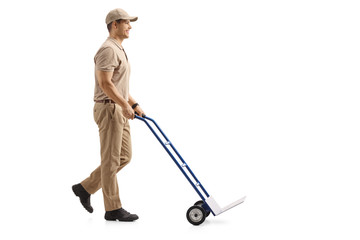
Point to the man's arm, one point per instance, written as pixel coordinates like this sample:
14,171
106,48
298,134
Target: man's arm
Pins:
104,80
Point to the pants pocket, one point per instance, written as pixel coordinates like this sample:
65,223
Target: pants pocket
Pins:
103,112
118,115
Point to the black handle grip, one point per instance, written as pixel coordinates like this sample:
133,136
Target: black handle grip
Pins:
143,115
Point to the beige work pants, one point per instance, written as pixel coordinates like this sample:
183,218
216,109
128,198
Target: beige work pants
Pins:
115,145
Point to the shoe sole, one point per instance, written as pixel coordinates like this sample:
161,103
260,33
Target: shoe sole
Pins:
122,220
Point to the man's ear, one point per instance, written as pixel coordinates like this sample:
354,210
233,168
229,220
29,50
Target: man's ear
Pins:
114,25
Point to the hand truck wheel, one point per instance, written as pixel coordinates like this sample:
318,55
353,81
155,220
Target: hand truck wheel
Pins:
201,204
196,215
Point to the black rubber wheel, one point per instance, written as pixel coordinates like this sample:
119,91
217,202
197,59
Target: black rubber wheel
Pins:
200,203
196,215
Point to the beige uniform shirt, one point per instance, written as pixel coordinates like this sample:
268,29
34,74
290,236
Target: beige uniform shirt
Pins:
111,57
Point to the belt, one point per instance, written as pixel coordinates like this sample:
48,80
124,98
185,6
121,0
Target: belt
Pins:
104,101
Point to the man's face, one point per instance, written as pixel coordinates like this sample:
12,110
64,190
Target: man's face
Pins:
123,29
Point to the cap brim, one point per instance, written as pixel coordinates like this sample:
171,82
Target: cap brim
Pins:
132,19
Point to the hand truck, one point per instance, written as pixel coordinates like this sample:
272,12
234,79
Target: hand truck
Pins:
197,213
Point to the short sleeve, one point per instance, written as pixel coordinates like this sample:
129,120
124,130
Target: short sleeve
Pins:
106,60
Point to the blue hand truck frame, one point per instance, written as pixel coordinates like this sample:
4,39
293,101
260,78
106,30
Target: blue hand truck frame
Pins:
201,209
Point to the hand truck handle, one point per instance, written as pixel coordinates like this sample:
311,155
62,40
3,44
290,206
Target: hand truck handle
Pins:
195,182
137,114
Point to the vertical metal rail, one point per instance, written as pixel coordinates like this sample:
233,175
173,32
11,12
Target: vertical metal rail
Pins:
184,164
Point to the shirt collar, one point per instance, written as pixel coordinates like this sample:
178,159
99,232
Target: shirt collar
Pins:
116,42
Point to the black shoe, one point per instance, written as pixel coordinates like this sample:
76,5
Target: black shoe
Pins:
84,196
121,215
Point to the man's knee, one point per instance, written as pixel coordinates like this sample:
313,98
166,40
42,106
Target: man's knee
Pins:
124,161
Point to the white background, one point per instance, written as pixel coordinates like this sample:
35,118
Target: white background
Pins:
260,97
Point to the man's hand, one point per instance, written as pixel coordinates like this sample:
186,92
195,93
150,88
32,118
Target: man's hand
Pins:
128,112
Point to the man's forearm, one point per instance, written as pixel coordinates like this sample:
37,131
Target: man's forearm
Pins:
131,100
111,91
104,80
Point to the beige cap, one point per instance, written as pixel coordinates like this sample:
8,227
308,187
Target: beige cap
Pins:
117,14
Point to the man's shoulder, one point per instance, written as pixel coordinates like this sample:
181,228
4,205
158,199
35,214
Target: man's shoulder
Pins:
108,46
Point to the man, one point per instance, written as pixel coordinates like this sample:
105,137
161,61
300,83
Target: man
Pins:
113,108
